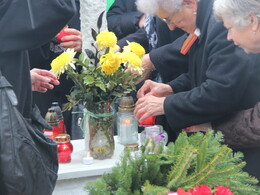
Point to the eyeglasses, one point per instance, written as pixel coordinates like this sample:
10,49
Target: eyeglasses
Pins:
168,21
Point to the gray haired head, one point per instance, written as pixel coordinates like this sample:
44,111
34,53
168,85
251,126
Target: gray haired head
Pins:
237,12
152,6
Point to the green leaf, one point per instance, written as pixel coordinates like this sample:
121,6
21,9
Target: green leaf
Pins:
89,52
89,79
99,21
81,57
101,86
94,34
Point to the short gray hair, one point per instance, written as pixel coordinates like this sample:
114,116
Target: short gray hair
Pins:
152,6
237,11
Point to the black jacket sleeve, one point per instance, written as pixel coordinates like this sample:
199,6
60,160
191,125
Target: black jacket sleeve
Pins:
139,36
168,60
228,76
123,18
29,24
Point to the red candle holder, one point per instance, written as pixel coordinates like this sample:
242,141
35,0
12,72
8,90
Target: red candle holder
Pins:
61,35
147,122
65,148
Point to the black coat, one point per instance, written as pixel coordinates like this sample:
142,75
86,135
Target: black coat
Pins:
123,18
41,58
164,37
31,27
221,77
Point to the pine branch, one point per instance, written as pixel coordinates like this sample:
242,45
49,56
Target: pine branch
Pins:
149,189
198,159
179,171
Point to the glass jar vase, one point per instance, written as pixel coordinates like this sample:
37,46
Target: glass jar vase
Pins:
100,129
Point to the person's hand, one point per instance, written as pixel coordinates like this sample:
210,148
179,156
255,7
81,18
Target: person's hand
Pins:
201,127
141,21
42,80
153,88
74,40
149,106
147,66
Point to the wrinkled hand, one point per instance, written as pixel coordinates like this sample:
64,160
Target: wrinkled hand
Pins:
150,106
42,80
72,41
147,66
153,88
201,127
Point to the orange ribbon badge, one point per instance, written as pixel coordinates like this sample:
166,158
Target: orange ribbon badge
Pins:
190,41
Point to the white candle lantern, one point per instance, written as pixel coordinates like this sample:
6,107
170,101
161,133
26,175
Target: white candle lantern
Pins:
126,122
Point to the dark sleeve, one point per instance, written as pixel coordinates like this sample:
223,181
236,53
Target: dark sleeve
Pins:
227,77
29,24
181,83
123,18
139,36
168,60
242,129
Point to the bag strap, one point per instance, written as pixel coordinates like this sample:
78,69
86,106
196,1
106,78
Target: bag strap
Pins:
5,85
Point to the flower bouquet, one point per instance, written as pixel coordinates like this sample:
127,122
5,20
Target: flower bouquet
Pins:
100,76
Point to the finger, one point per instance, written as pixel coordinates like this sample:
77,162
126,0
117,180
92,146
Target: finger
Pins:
39,89
72,31
45,73
43,90
139,111
55,82
139,101
42,79
47,78
69,44
143,116
140,93
70,38
46,85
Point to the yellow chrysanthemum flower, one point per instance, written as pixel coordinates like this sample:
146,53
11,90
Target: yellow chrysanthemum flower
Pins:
134,63
136,48
114,49
110,63
61,63
106,39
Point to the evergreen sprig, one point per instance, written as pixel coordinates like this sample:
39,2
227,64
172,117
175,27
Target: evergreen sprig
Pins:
190,161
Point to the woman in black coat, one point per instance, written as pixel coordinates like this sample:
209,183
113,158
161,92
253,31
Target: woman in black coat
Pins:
29,28
221,77
123,18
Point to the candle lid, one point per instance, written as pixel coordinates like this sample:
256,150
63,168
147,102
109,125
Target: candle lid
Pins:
126,104
132,146
51,117
62,138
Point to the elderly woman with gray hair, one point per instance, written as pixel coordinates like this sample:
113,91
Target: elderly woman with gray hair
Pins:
221,80
242,19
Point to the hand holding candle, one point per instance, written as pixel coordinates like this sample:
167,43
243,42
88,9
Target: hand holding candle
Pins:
70,38
148,121
62,34
148,106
